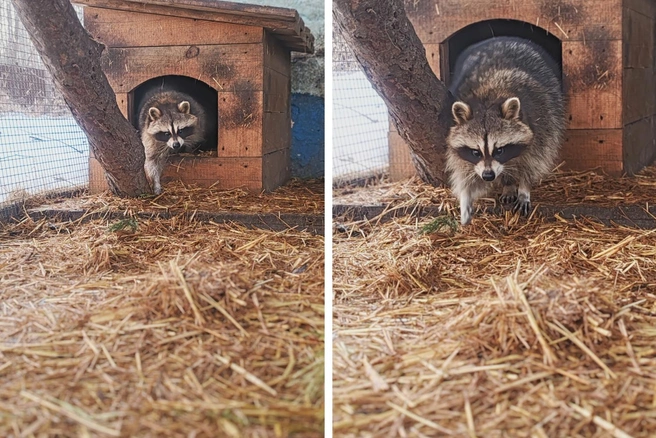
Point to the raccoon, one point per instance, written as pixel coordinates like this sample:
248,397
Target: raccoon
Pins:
509,122
169,122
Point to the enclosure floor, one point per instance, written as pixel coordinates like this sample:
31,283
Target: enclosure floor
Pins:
296,197
509,327
160,328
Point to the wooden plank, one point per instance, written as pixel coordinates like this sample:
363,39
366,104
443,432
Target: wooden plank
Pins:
240,124
275,169
592,72
276,56
117,29
220,172
286,24
277,91
225,173
400,161
639,94
574,20
277,132
97,181
638,40
123,104
639,144
434,59
586,149
233,67
645,7
241,10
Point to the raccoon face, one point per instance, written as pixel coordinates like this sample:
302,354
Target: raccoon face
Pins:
171,125
488,138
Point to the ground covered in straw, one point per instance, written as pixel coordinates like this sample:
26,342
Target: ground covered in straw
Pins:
297,197
506,328
160,328
561,188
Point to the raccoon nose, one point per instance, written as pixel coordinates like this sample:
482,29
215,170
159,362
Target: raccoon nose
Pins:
176,145
488,175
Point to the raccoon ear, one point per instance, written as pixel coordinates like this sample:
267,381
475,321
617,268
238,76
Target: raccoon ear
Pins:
510,109
183,107
461,112
154,113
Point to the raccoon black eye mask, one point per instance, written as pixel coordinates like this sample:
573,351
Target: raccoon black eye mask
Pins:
502,154
163,136
184,133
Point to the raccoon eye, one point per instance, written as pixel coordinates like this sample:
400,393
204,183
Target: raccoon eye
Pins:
186,132
476,153
163,136
497,152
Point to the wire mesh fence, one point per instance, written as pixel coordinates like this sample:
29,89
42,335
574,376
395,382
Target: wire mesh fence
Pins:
42,149
360,120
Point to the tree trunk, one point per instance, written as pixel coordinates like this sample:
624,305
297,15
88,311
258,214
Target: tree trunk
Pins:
73,59
393,58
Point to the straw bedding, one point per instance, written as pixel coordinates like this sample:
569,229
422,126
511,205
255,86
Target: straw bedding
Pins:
161,328
560,188
297,197
507,328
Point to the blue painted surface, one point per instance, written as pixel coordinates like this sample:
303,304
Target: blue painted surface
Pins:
307,155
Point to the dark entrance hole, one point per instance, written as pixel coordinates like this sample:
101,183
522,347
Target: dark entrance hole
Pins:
477,32
206,96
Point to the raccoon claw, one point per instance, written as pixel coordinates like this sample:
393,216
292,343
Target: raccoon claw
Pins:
508,199
523,207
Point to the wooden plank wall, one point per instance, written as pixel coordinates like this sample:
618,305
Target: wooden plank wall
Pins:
592,35
277,117
639,88
249,70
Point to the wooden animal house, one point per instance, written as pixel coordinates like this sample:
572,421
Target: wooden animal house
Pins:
607,53
234,57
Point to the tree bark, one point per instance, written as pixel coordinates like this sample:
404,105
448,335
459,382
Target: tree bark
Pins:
73,59
394,59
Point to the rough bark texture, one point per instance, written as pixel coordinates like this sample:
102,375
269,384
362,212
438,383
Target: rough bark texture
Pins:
393,58
73,59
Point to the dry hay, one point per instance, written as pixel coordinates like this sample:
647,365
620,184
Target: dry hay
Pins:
160,328
561,188
505,328
297,197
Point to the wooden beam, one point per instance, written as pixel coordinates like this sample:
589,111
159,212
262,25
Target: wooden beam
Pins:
282,22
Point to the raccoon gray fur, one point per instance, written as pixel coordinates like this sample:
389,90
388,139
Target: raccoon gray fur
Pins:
169,122
509,119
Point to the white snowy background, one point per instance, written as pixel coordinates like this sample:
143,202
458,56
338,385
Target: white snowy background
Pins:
39,154
360,126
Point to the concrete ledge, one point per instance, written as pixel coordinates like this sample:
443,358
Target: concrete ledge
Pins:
629,215
276,222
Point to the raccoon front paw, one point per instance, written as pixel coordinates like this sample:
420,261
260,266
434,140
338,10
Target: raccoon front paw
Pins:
508,198
465,215
523,206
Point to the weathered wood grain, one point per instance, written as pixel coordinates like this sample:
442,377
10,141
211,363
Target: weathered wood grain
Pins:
285,23
116,28
240,124
571,20
233,67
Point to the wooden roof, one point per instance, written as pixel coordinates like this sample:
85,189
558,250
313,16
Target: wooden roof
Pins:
284,23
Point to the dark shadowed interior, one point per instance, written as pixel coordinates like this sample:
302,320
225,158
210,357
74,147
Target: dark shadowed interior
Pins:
483,30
